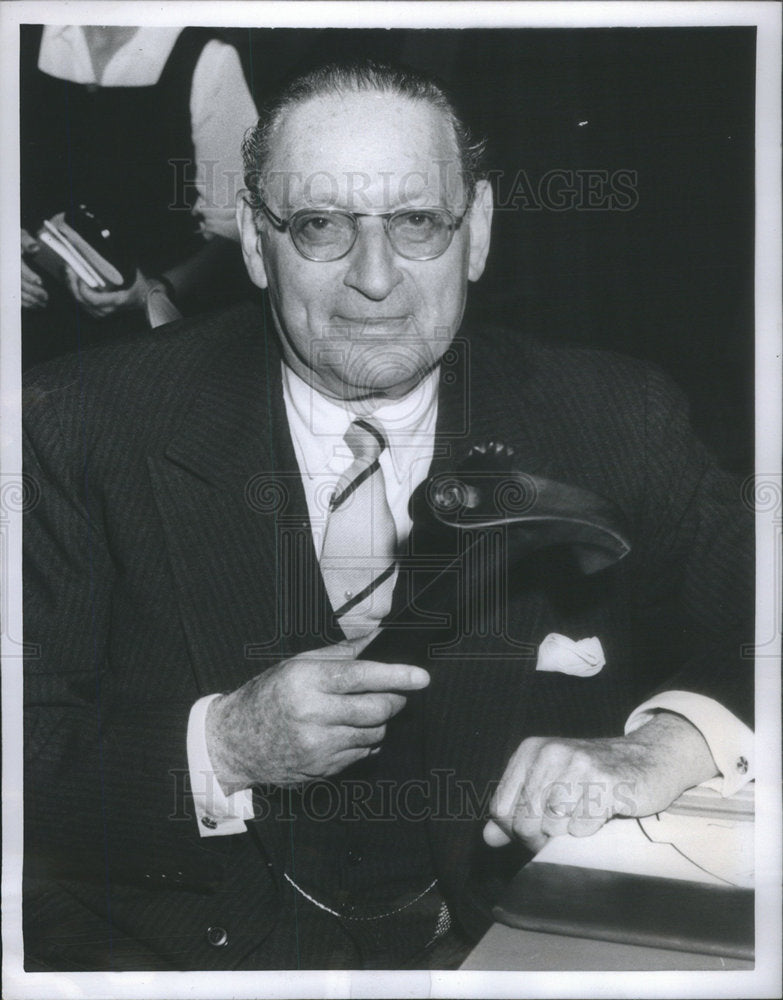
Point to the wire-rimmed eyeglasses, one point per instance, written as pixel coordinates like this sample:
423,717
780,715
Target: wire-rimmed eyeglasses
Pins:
327,234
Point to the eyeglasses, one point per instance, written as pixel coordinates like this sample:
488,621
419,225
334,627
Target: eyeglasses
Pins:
327,234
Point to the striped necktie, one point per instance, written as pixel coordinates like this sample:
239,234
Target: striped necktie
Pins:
357,558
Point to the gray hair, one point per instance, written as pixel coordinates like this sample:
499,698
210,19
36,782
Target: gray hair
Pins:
353,77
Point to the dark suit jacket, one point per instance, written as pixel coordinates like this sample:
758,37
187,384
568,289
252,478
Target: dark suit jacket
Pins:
168,523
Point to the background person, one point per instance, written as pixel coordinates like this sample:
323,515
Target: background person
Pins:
143,126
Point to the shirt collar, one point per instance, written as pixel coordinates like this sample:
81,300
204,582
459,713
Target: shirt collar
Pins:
323,421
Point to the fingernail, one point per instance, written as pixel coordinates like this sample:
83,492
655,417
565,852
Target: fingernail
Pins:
418,676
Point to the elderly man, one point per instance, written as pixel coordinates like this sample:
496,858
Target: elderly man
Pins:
218,775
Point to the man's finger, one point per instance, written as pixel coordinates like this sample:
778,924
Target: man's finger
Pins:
504,801
558,802
357,676
348,757
371,736
595,807
365,709
585,827
553,789
494,836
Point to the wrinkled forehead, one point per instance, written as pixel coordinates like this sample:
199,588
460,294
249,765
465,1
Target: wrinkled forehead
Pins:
366,151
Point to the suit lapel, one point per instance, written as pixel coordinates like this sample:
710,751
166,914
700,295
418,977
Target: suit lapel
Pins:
235,518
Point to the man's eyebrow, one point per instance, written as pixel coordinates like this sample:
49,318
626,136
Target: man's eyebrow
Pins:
394,205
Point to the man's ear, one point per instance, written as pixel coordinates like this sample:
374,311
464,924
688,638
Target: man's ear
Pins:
480,220
251,241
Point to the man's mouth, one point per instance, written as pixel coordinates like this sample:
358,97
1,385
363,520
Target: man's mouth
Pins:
371,322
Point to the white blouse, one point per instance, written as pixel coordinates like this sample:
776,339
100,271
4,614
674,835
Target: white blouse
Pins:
221,108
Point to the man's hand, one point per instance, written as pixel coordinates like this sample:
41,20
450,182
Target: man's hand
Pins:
100,303
306,717
34,295
555,786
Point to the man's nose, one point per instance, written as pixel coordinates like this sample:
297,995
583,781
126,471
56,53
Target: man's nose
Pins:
372,269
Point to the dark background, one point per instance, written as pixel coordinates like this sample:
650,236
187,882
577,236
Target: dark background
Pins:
670,280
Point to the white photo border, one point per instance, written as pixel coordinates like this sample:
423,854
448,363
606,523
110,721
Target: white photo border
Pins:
765,980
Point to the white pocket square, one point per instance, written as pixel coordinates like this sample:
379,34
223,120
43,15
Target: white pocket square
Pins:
581,659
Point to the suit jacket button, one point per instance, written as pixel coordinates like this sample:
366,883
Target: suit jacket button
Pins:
217,936
208,822
742,765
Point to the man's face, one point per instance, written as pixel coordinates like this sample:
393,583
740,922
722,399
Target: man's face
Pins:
372,323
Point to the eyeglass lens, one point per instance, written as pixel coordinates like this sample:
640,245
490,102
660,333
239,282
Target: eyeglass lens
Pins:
416,234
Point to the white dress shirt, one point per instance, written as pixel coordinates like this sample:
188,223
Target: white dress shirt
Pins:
221,108
317,426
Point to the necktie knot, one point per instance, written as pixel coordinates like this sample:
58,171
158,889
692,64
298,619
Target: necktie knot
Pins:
365,440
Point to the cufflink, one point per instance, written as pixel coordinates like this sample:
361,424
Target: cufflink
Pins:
742,765
209,823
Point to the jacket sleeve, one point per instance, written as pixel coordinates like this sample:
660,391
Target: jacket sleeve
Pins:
105,793
695,559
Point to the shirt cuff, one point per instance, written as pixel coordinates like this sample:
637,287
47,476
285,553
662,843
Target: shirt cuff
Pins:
217,814
730,741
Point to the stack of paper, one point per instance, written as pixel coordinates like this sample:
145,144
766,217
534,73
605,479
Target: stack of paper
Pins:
701,837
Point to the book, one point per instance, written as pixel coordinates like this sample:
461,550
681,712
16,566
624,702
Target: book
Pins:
104,267
80,240
50,236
